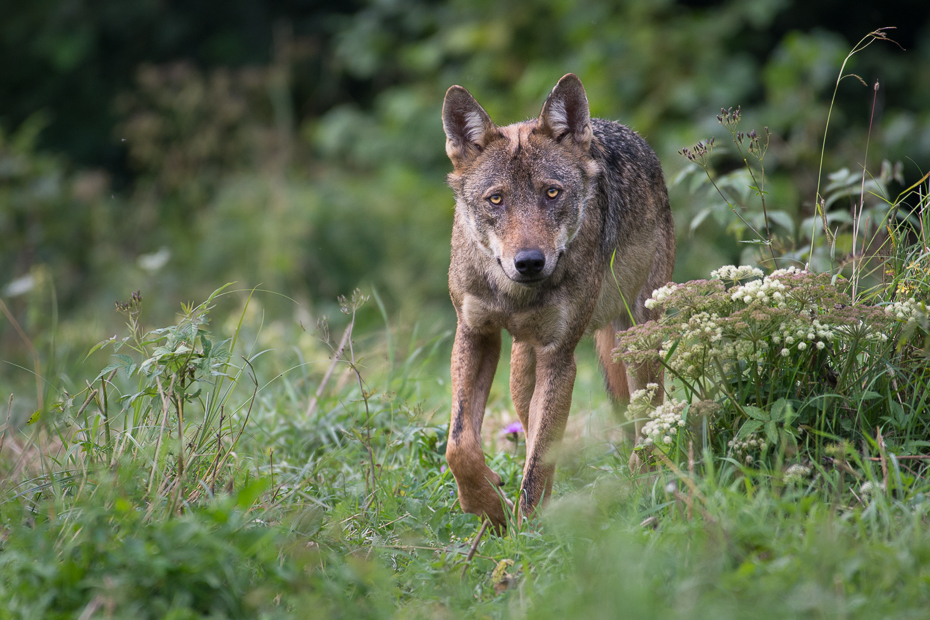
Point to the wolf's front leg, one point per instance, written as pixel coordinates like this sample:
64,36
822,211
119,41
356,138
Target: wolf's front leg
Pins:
474,360
522,379
552,400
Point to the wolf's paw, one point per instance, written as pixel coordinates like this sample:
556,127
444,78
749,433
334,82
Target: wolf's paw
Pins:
482,495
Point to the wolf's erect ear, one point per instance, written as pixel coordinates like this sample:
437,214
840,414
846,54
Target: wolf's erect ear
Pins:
468,127
566,113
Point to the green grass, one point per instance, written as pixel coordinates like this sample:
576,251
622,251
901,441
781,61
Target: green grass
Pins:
257,510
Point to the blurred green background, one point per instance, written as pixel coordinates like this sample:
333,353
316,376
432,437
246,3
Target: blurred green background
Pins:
172,147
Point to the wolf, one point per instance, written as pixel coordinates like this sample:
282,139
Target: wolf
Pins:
562,228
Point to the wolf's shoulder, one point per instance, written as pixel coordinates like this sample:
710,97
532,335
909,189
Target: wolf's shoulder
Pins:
617,139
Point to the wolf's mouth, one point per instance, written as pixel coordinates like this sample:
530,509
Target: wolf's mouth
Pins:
530,279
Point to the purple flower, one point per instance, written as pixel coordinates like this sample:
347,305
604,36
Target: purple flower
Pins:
513,428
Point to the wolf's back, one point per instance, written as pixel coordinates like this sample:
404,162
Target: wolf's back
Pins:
632,192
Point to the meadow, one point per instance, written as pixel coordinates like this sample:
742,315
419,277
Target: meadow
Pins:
224,467
202,475
276,450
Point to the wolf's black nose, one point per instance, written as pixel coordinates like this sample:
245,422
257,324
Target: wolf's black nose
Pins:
529,262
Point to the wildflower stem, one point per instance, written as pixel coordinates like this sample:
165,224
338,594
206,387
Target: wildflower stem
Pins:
474,547
857,215
765,214
867,40
732,206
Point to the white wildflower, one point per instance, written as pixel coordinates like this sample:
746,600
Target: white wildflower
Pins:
641,402
867,488
660,295
734,274
664,422
797,472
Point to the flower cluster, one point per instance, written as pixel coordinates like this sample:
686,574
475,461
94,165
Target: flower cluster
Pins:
797,473
868,488
743,449
746,339
814,334
641,402
700,153
729,118
660,295
734,274
914,277
768,291
752,325
664,422
704,408
910,311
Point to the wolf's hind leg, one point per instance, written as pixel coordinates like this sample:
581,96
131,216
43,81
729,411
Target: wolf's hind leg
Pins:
615,379
622,380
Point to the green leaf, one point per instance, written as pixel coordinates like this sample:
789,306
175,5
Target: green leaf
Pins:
755,413
698,219
771,432
698,180
100,345
123,362
688,170
250,492
672,349
783,219
783,411
748,428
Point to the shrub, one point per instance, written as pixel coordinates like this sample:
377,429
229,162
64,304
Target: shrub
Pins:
764,361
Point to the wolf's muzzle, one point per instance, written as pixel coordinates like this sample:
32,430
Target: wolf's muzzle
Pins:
529,263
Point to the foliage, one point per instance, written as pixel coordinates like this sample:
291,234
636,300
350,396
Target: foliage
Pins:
233,464
303,525
785,354
177,131
112,560
827,236
762,360
47,213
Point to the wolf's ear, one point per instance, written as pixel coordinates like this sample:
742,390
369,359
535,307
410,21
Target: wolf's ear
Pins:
468,127
566,113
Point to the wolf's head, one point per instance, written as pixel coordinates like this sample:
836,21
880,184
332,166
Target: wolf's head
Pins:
522,189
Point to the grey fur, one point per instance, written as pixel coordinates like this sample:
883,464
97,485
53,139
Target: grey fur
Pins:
576,195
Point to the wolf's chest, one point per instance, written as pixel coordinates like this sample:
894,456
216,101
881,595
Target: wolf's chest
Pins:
546,324
539,326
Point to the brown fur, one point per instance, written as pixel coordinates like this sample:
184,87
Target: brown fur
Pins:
543,209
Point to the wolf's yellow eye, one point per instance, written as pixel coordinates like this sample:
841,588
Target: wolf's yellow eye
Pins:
496,199
552,192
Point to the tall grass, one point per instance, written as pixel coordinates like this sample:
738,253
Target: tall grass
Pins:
260,510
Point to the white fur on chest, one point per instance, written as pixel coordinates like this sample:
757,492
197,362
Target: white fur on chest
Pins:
539,327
